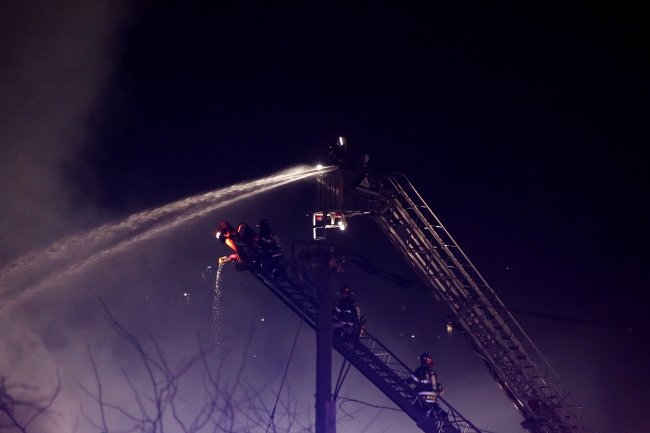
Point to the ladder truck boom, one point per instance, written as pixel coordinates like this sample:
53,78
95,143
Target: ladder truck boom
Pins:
511,358
367,354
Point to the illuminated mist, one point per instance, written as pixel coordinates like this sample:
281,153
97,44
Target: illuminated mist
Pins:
73,254
145,270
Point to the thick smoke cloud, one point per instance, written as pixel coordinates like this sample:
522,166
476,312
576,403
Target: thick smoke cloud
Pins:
55,59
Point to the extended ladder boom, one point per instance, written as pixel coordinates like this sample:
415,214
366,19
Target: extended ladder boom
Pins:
373,359
475,310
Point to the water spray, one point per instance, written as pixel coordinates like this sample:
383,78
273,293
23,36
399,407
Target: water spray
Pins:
80,251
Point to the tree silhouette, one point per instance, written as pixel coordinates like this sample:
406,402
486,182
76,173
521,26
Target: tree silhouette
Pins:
229,405
21,404
227,402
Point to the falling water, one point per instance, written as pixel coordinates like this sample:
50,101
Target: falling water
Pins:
215,309
45,342
37,271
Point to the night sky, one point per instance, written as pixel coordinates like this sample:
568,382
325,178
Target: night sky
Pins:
524,128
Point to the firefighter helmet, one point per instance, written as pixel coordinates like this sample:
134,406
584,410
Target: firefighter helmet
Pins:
264,223
345,290
225,231
425,359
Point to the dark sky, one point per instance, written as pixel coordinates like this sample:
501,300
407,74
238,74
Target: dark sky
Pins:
523,127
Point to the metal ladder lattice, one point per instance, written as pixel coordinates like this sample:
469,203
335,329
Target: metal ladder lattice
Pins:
476,311
368,355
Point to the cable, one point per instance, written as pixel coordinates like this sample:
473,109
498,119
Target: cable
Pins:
295,340
366,265
351,400
339,381
627,326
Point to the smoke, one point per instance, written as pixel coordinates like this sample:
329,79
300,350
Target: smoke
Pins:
53,334
55,59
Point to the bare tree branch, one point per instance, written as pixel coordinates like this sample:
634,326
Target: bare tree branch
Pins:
230,404
20,413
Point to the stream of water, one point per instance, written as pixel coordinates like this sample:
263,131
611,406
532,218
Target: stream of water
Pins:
36,271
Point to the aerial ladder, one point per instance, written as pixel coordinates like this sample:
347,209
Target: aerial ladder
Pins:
296,289
296,286
473,308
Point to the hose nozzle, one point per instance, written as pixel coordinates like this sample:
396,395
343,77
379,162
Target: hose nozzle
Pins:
227,259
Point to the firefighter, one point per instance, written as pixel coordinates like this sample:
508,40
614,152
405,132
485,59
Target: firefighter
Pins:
270,250
345,158
428,388
348,319
226,234
241,241
269,242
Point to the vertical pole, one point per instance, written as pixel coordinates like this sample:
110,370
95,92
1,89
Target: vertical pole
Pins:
325,407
